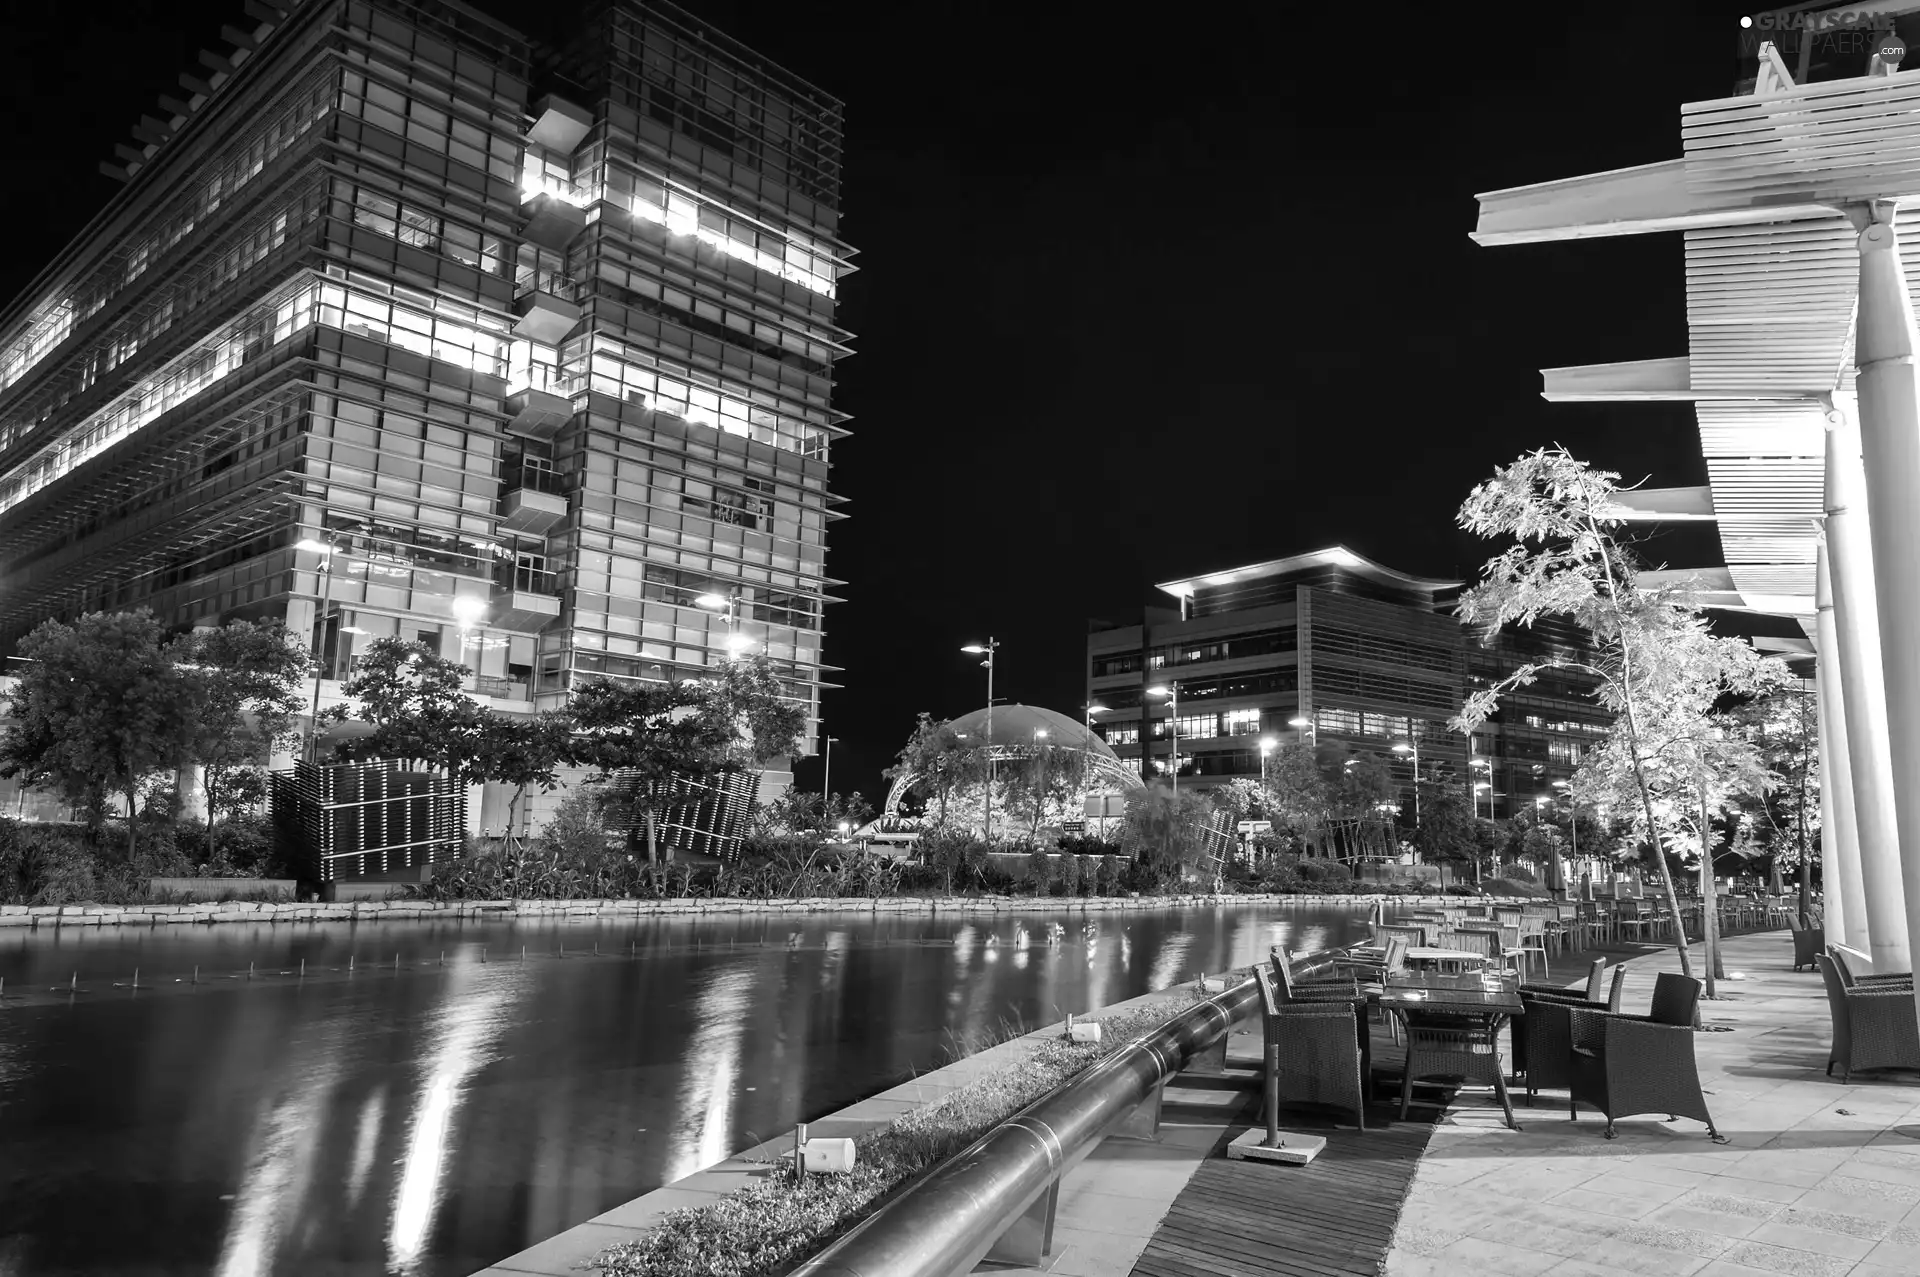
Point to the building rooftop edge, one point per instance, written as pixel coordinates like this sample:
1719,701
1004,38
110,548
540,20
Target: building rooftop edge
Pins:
1330,556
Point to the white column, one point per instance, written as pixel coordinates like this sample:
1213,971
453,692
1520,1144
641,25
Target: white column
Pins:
1890,442
1850,583
1839,841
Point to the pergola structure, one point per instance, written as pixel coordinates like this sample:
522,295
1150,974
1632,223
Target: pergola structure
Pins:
1798,204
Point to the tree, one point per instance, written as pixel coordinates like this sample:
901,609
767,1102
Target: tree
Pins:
416,701
939,760
1448,832
245,684
1049,774
768,722
649,734
1785,729
1651,645
1166,831
522,751
99,708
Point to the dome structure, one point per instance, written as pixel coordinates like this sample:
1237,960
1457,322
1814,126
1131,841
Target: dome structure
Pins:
1016,730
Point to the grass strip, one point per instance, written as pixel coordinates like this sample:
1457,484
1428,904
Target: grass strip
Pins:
768,1228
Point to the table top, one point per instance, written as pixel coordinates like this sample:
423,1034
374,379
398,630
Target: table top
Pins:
1421,953
1450,994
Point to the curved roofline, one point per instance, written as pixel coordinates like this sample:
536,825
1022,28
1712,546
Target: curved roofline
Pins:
1334,556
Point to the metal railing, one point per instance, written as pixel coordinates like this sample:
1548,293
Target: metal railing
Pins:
996,1197
532,479
527,580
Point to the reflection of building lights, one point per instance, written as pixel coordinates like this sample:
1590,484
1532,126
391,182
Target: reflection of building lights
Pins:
475,1010
1167,966
277,1174
366,1142
703,1133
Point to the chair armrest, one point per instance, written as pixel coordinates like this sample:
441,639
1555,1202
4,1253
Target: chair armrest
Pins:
1894,977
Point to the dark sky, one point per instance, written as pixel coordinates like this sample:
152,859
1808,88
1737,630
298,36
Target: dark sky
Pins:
1143,292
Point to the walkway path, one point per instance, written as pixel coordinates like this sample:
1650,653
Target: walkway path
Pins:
1821,1178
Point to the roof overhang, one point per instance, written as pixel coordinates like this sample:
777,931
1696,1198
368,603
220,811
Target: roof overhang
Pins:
1337,556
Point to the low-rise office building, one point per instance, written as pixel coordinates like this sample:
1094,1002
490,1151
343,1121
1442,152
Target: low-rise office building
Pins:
1330,647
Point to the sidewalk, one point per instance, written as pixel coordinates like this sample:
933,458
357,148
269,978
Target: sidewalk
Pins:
1820,1179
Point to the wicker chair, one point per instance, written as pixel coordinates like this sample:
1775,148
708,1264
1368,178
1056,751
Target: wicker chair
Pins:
1449,1046
1807,942
1525,1041
1375,970
1891,980
1294,987
1595,979
1312,1051
1873,1028
1629,1064
1507,955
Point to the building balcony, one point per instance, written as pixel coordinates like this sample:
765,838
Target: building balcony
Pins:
559,125
552,220
497,688
538,403
547,308
524,599
531,500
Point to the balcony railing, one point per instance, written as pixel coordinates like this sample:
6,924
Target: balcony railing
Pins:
551,282
513,576
546,377
533,479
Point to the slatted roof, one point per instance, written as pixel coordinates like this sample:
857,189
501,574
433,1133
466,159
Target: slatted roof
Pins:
1772,274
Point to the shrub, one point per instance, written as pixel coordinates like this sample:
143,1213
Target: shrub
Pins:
1070,871
1039,868
1108,883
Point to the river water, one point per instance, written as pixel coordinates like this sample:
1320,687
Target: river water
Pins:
431,1117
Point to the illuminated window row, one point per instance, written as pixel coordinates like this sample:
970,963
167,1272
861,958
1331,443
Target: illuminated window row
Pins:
427,125
239,165
249,337
615,371
420,227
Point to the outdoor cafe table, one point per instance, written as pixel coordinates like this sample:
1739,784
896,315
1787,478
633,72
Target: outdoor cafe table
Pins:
1467,996
1429,956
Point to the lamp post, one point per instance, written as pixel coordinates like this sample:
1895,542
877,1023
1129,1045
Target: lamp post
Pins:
1406,747
471,612
1304,725
325,549
1573,822
826,781
987,649
1040,791
1171,690
736,642
1267,745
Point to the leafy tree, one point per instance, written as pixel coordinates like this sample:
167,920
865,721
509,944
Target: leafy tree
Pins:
415,700
941,761
245,681
801,812
768,722
1651,648
1784,727
1051,775
1448,832
648,734
1166,832
523,751
100,707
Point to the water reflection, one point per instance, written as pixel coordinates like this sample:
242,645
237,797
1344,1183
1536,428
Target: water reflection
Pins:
475,1007
433,1121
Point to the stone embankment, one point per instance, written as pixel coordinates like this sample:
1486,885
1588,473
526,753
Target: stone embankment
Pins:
154,915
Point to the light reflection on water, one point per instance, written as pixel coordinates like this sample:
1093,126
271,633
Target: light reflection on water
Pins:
431,1122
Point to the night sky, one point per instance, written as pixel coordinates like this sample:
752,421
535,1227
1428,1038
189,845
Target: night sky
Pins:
1144,293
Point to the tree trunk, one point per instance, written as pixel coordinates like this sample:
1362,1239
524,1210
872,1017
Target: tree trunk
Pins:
133,810
1709,913
207,787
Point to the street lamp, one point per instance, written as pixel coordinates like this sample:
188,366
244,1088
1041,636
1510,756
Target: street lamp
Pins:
325,549
1482,764
1304,725
1040,794
1405,747
987,649
736,642
470,611
826,781
1267,745
1171,690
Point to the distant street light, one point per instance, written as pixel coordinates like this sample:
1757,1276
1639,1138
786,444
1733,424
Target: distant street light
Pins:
1267,745
1405,747
826,781
735,642
1304,725
987,649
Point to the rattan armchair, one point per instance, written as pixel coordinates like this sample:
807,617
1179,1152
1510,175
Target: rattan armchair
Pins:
1629,1064
1312,1051
1844,969
1594,986
1873,1028
1291,986
1450,1046
1541,1044
1807,942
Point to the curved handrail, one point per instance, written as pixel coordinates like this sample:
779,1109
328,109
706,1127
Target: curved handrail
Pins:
943,1225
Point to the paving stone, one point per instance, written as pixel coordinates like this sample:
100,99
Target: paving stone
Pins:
1721,1203
1827,1221
1783,1259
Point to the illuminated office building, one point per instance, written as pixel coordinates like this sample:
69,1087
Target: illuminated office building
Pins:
544,328
1337,649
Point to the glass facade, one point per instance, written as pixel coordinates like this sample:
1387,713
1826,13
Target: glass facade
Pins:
561,339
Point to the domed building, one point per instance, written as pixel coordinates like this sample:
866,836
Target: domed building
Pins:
1019,732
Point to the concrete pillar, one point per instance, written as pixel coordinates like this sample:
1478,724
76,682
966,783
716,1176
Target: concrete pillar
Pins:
1850,583
1890,443
1839,841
